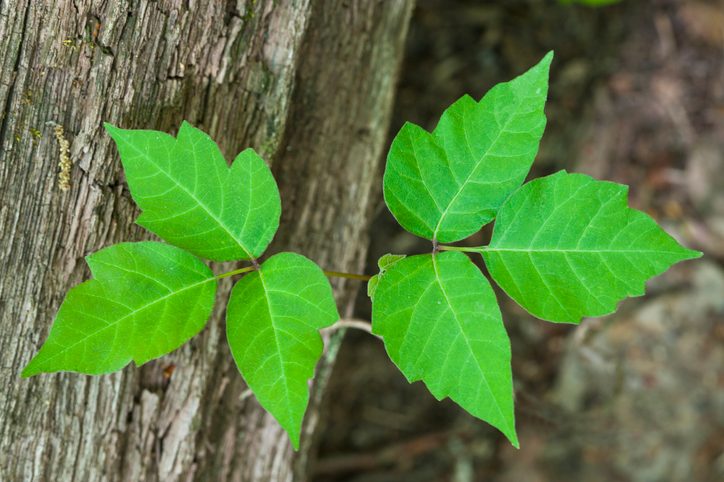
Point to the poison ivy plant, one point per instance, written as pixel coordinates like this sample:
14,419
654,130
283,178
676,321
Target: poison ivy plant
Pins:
564,247
147,299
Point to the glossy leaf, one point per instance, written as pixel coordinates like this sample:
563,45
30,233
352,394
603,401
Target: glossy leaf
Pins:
191,198
272,324
441,324
145,300
447,184
567,246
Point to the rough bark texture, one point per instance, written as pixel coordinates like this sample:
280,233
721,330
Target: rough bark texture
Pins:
307,83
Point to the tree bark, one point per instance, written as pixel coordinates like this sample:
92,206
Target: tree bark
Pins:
308,83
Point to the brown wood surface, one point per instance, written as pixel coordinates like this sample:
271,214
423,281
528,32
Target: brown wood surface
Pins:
308,83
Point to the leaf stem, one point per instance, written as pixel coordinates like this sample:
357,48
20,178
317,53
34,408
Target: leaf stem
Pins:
336,274
339,274
355,324
235,272
464,249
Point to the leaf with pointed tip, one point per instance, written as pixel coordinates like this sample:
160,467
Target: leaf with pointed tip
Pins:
448,184
146,300
383,263
567,246
441,324
272,325
190,196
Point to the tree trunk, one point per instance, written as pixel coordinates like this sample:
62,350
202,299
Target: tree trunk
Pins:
309,84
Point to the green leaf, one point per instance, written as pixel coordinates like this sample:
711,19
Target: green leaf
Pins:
448,184
146,300
441,324
272,324
191,198
567,246
383,263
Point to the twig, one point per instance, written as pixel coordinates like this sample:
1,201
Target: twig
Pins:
355,324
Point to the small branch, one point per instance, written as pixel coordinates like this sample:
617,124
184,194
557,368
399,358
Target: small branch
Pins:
355,324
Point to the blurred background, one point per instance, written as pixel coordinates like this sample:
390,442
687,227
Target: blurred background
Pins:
637,97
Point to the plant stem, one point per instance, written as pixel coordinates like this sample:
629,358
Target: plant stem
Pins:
235,272
355,324
465,249
338,274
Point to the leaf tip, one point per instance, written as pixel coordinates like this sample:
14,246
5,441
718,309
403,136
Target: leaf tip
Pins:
30,369
295,441
186,128
508,429
692,254
111,129
545,63
685,254
510,433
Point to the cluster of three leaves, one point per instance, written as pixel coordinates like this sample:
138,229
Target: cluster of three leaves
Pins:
564,246
148,298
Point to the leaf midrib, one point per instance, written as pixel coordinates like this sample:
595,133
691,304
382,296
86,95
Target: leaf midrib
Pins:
467,342
492,249
284,377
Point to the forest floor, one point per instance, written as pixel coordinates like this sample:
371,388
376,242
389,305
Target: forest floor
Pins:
637,97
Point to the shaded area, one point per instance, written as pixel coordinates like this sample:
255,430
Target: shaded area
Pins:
637,96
